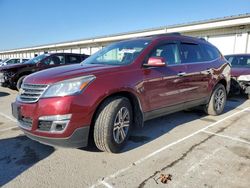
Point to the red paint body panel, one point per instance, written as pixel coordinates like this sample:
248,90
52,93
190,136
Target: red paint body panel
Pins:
236,72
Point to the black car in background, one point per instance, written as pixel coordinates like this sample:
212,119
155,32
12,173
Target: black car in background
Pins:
12,75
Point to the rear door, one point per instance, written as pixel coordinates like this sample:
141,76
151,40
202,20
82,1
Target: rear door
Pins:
198,71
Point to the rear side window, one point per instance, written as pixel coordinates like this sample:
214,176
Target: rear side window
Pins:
169,52
191,53
211,52
74,59
13,61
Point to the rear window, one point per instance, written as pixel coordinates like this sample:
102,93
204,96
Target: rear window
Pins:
191,53
211,52
239,61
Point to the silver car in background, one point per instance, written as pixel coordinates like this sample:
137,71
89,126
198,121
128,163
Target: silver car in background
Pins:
11,61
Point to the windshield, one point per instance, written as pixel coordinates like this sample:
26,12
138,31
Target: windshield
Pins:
37,58
239,61
121,53
5,60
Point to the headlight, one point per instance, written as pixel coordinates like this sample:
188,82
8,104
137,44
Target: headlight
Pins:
244,78
68,87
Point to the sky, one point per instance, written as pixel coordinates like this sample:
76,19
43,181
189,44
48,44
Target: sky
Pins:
25,23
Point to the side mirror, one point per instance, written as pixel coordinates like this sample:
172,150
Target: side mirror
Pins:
156,62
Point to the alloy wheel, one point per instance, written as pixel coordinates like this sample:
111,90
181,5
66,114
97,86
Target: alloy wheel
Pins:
121,125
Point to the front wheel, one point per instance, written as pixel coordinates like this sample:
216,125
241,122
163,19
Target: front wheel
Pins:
113,124
217,100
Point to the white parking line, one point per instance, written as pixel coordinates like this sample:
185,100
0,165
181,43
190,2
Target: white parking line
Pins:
106,184
8,117
164,148
194,166
228,137
9,128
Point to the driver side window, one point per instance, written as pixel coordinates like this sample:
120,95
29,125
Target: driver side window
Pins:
169,52
54,60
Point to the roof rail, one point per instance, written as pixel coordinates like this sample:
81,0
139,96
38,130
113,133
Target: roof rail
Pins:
174,33
201,38
166,34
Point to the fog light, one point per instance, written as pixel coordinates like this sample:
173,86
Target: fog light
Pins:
55,124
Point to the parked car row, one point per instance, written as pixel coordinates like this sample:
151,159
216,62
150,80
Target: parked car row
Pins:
12,75
116,89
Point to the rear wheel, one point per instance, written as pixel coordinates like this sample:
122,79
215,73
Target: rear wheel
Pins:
113,124
19,82
217,101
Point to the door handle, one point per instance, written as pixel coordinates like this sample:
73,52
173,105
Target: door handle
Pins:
181,74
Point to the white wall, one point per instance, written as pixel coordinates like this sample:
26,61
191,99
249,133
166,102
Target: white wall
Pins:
231,44
227,43
241,43
85,51
224,43
95,49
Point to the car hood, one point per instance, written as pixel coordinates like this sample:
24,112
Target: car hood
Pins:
13,66
57,74
237,71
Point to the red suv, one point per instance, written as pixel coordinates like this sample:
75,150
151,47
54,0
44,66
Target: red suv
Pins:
120,87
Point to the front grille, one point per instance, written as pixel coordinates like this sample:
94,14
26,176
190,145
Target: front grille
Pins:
31,93
44,125
25,122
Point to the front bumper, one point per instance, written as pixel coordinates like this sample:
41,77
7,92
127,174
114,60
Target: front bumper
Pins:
78,139
75,134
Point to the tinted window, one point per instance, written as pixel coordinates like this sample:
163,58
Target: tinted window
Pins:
211,52
169,52
239,61
74,59
190,53
13,61
54,60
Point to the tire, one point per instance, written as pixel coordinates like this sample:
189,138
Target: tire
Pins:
217,101
107,136
19,82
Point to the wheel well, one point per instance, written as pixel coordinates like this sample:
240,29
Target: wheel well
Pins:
23,74
223,82
137,112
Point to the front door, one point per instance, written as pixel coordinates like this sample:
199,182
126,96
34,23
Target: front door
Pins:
163,84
